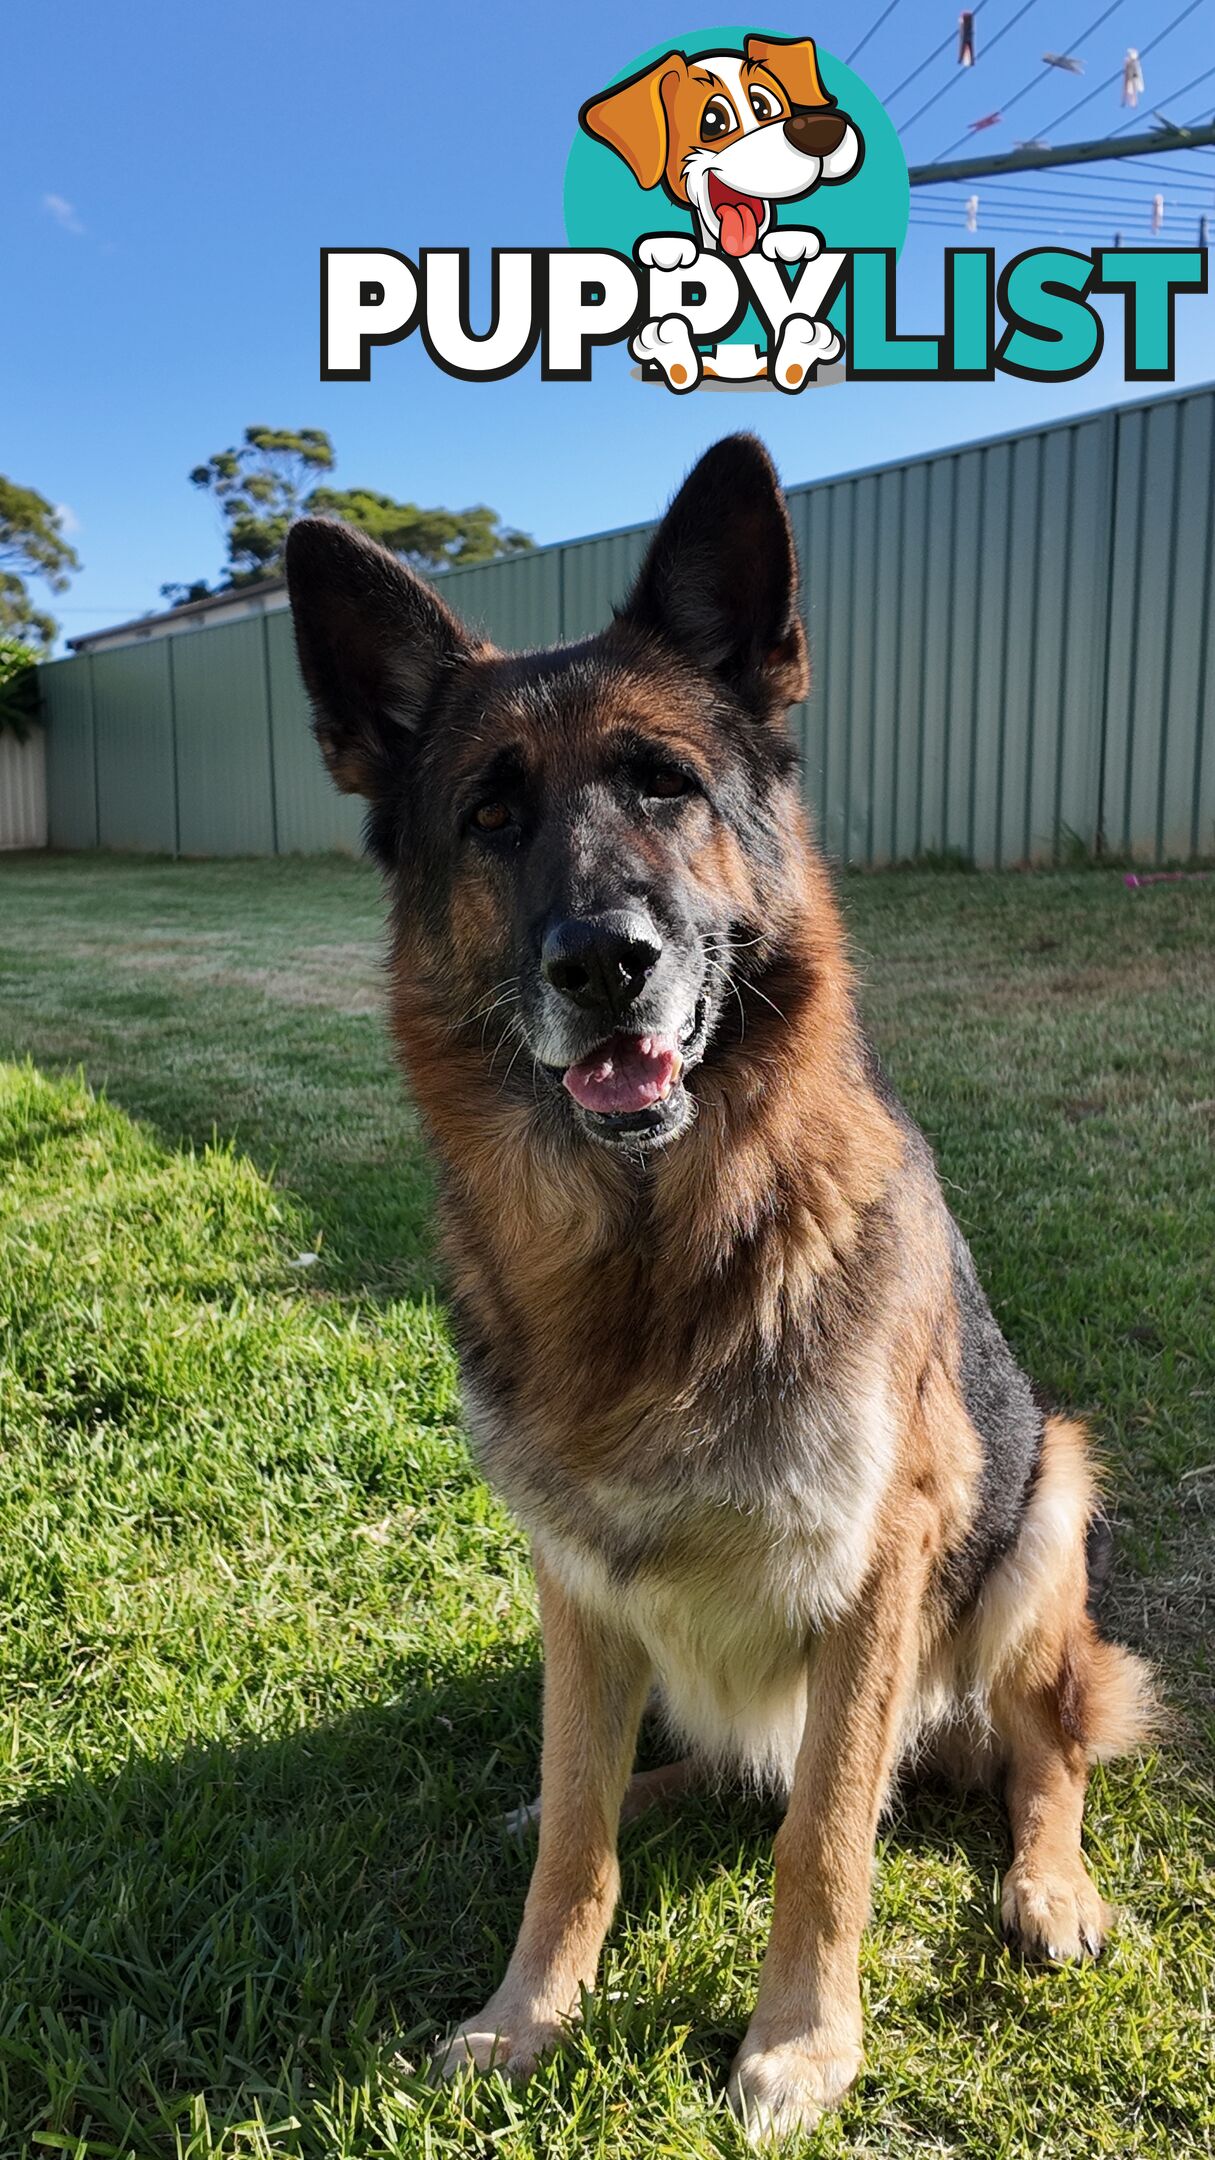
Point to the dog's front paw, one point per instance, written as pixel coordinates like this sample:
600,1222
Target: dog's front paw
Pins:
804,346
791,244
1054,1913
777,2090
667,344
667,251
510,2042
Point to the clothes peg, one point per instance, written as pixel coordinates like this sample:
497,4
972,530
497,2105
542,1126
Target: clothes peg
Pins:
1157,213
1204,231
1067,61
1132,77
966,38
991,119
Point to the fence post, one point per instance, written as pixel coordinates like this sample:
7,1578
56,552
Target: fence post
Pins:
96,759
173,748
269,696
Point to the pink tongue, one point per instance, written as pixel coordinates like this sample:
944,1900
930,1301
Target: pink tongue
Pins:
739,228
627,1073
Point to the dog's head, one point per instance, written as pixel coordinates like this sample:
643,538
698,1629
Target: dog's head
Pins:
594,850
730,133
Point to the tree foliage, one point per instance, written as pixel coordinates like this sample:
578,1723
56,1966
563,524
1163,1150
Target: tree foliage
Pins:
32,544
275,476
259,489
428,539
19,698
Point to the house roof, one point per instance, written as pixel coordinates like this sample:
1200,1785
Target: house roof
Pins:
263,590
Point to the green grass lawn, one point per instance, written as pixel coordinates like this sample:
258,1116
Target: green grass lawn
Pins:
270,1671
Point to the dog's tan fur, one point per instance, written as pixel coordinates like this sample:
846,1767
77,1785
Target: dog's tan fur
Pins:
654,119
792,1604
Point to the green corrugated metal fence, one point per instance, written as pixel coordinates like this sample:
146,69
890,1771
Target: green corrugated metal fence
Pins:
1013,647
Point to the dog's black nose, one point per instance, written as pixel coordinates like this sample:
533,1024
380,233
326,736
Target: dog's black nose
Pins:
816,134
601,962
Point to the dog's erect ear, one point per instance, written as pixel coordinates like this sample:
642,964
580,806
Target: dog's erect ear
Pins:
373,644
720,580
794,63
631,119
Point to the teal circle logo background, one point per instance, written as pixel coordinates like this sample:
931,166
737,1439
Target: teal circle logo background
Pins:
605,208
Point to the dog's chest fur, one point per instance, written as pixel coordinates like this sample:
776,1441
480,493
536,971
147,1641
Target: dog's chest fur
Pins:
723,1532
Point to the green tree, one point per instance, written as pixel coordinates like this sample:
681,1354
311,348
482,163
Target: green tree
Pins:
198,589
275,476
32,544
259,489
427,539
19,698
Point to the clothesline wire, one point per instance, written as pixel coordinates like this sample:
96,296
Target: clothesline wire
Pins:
885,14
1093,205
935,54
1169,100
1116,77
1174,228
1074,47
1088,183
1181,176
1037,215
989,46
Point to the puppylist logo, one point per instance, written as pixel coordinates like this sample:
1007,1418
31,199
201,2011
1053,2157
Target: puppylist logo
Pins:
735,206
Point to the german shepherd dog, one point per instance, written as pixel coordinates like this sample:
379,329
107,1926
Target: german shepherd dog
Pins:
723,1347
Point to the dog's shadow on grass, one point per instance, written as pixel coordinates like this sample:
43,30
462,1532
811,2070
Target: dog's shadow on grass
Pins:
270,1921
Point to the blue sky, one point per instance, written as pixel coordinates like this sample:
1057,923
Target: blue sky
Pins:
170,175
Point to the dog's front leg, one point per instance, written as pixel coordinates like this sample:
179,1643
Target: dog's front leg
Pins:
595,1684
803,2045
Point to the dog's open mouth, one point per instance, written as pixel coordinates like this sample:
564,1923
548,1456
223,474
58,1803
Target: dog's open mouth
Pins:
632,1085
625,1074
739,217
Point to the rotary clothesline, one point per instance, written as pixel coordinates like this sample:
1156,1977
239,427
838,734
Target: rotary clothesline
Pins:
973,35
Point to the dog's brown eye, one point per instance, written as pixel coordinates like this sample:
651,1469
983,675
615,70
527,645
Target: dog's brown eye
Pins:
491,817
666,783
717,119
763,106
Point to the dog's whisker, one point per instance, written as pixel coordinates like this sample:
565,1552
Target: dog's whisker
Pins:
730,984
767,1000
508,984
520,1048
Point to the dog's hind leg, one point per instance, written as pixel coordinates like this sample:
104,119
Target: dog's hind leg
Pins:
1051,1906
1062,1698
645,1789
1098,1703
655,1788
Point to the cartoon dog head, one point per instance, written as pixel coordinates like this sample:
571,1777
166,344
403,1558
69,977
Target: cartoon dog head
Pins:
728,134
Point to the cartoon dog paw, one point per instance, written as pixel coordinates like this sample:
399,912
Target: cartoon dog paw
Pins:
666,344
791,244
804,346
667,251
